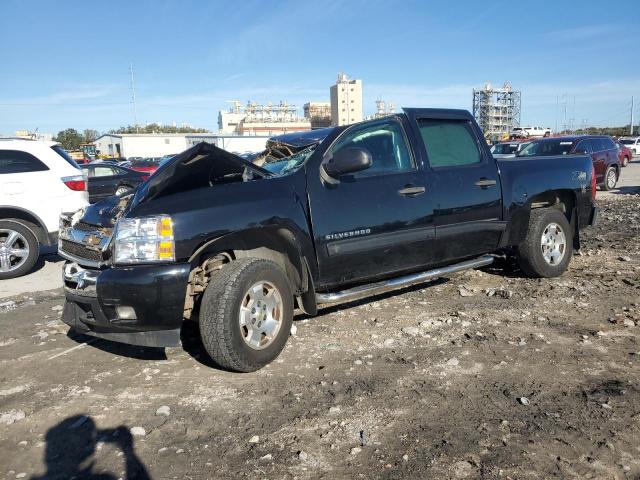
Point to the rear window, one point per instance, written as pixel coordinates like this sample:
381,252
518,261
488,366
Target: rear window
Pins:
547,147
16,161
626,141
63,153
505,148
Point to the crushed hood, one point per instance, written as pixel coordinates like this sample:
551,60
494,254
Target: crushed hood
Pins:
106,213
203,165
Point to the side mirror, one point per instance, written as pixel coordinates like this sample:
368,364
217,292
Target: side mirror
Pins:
348,160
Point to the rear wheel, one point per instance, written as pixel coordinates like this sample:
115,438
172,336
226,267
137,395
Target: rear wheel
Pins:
546,250
246,314
610,179
19,249
625,161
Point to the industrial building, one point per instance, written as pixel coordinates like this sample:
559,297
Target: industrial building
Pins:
158,144
258,119
318,113
383,109
346,101
497,110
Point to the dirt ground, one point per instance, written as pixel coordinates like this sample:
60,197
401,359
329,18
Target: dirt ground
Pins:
482,375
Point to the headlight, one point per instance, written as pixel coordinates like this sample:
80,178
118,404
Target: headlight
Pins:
146,239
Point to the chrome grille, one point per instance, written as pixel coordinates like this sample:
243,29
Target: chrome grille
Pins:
84,243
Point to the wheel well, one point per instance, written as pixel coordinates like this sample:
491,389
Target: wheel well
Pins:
31,221
279,246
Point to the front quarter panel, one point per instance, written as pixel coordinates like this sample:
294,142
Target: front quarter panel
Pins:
260,206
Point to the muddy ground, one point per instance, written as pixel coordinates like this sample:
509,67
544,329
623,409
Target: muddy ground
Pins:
539,380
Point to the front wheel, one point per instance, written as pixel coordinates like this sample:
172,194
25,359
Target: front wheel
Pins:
246,314
546,250
610,179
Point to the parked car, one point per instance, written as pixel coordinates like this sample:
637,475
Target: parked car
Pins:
602,150
146,165
363,209
625,154
632,143
507,149
524,132
107,178
38,181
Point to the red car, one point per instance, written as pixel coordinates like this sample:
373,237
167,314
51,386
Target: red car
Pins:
625,154
146,165
603,151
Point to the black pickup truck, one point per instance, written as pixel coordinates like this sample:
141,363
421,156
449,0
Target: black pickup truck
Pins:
330,215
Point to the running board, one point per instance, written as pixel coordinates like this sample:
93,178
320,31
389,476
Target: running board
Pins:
400,282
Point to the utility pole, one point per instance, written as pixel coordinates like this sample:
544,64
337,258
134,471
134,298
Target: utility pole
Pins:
631,124
133,98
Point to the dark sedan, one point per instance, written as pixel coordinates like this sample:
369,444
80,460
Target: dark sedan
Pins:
107,179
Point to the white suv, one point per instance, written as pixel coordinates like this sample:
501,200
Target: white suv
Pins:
632,143
38,181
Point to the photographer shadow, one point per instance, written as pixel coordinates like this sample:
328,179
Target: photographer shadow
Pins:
72,444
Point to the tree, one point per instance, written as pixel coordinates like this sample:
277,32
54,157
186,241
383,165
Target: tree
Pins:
157,128
70,139
90,135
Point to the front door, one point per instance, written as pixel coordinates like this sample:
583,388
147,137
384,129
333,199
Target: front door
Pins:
465,186
377,221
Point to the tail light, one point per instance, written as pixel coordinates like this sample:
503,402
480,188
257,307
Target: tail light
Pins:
593,183
76,183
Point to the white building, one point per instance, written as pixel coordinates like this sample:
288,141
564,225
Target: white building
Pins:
158,144
346,101
140,144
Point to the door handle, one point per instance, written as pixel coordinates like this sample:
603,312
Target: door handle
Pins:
411,190
485,183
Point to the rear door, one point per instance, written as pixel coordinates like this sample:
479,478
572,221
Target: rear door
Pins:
464,184
22,179
102,182
377,221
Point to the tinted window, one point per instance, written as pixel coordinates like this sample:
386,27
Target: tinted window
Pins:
547,147
15,161
505,148
607,144
585,146
449,143
385,142
102,171
63,153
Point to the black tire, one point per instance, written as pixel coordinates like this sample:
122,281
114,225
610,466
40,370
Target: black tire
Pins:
608,183
28,240
220,328
530,252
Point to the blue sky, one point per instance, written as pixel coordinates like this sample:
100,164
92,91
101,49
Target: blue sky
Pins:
65,63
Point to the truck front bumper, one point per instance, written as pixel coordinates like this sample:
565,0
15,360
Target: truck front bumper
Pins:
138,305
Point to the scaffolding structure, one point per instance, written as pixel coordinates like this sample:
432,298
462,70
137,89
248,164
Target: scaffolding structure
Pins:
497,110
282,112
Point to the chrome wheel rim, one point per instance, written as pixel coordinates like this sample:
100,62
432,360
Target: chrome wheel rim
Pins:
554,244
260,315
14,250
611,179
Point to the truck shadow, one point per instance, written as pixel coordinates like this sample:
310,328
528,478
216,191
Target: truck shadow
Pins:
73,445
121,349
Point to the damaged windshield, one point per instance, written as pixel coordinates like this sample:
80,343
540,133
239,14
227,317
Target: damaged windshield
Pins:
291,163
